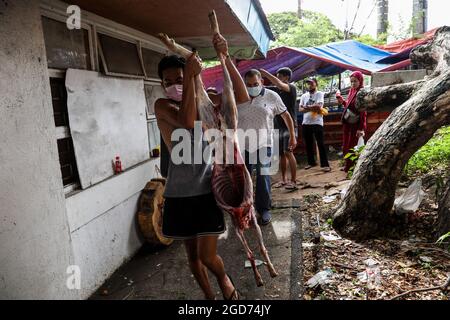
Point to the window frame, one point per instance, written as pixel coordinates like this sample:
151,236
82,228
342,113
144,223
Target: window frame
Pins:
150,117
85,26
64,131
152,48
121,38
55,9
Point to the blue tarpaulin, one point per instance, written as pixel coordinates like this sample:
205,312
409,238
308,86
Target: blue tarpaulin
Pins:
347,55
327,60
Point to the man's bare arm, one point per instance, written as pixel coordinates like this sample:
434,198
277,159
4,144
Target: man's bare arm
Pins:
188,114
167,119
290,125
240,89
167,111
275,81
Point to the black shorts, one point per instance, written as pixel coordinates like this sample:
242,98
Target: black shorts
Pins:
283,141
192,217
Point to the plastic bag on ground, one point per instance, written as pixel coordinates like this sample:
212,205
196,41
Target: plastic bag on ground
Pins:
361,143
410,201
320,278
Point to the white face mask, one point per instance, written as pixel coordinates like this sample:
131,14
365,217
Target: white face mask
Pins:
254,91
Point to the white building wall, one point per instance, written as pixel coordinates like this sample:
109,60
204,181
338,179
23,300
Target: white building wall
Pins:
35,246
42,232
102,220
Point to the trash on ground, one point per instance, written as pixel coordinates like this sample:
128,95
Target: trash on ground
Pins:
362,276
330,236
371,262
426,259
249,265
320,278
307,245
410,201
329,199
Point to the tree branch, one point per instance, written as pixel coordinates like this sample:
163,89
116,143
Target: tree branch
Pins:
386,98
435,54
442,287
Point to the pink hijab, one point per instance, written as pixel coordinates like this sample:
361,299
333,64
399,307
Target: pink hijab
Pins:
353,92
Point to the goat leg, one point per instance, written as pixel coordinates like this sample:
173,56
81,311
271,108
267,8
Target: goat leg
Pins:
262,248
251,257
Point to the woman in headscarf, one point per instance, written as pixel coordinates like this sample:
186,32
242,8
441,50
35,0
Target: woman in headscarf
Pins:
354,122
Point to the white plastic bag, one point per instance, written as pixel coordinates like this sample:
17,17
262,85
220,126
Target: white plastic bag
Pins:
410,201
320,278
361,143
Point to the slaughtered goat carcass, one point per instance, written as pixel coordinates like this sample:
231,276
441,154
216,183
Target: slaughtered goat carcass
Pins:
232,183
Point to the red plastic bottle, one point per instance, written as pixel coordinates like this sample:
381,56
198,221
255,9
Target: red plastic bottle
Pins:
118,165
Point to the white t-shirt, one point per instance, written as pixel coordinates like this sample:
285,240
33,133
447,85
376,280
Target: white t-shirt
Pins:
258,114
308,99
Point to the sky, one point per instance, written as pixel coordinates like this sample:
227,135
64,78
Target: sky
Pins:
400,12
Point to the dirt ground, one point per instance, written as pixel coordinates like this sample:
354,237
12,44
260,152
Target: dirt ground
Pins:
301,244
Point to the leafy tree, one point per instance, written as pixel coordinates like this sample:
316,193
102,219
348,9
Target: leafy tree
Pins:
371,41
313,29
281,22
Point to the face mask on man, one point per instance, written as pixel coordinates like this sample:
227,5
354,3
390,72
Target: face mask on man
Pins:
175,92
254,91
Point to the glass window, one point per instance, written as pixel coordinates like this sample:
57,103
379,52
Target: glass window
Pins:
120,56
151,61
66,48
152,93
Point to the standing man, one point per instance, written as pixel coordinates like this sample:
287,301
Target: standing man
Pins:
311,104
257,115
288,94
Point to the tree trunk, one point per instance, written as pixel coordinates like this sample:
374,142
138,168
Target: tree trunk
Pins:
444,212
423,108
299,9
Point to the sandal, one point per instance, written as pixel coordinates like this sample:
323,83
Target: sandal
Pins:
291,186
279,185
235,294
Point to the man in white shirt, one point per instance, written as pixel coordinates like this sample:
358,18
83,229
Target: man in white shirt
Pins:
258,114
311,104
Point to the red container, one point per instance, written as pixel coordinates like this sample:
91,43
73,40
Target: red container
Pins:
118,166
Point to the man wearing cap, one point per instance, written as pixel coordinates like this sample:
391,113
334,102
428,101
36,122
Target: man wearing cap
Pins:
288,94
311,105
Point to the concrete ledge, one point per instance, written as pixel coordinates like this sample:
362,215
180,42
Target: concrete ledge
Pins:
382,79
89,204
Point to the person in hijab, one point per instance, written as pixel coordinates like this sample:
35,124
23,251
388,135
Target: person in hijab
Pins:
354,122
